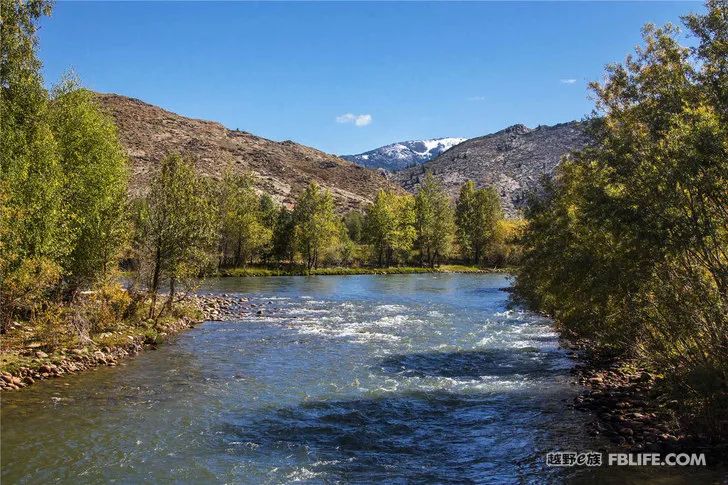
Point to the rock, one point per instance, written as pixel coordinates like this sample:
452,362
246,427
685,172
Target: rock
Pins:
41,355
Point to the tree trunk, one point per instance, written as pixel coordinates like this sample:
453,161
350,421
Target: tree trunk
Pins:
155,279
170,300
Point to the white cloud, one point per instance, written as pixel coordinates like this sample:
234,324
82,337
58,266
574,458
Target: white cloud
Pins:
358,120
476,98
567,81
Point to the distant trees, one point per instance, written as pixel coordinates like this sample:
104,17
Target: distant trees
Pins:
389,227
284,243
478,213
629,247
434,222
246,226
317,228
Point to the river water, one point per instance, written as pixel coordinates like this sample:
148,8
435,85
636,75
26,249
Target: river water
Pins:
352,379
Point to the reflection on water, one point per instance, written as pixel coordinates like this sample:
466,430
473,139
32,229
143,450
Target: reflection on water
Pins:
417,378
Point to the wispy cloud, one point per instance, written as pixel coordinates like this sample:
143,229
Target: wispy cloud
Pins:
476,98
358,120
567,81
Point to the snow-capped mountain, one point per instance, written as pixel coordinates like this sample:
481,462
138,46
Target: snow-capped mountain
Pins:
398,156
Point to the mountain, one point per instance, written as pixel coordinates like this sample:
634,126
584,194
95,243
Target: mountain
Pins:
282,169
398,156
514,160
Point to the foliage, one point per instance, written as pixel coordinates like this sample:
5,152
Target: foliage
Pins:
354,222
629,246
177,229
317,228
94,167
62,177
478,213
389,227
434,222
283,236
245,233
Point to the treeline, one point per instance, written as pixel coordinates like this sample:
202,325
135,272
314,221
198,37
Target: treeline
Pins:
189,224
628,247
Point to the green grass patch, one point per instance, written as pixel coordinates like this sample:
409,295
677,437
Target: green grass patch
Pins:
251,271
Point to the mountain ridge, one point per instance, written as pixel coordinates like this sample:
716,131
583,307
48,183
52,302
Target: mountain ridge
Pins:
513,160
400,155
282,169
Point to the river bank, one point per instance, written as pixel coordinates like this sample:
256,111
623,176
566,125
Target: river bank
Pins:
253,271
633,409
25,358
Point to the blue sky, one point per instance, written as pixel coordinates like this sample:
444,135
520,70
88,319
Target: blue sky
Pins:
349,77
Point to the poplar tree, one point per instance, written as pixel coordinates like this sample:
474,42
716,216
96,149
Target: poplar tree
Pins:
317,227
390,226
478,212
435,222
178,227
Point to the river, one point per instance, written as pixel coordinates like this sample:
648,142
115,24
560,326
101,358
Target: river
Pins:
353,379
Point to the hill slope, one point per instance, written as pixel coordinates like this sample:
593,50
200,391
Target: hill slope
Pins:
513,160
282,169
398,156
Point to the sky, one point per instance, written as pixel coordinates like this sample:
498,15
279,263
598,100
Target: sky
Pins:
350,77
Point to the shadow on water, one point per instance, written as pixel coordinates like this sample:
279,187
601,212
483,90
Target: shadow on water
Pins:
526,361
418,437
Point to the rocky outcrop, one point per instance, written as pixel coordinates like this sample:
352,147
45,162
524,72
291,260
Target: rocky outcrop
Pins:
282,169
514,160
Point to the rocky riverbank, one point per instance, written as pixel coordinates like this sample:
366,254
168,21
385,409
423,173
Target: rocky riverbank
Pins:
632,409
40,365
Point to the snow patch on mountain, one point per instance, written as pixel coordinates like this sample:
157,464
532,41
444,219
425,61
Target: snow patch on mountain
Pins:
401,155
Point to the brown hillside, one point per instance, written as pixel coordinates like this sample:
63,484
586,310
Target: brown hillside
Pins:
282,169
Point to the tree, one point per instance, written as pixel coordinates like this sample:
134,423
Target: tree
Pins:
177,227
435,222
284,246
244,233
94,188
354,222
268,211
390,226
629,246
478,212
317,226
35,237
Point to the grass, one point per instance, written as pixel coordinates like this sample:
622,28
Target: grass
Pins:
301,271
57,336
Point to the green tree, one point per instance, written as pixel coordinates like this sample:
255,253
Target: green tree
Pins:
478,212
317,226
244,232
94,189
354,222
35,237
390,226
284,247
268,210
629,246
434,222
178,227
